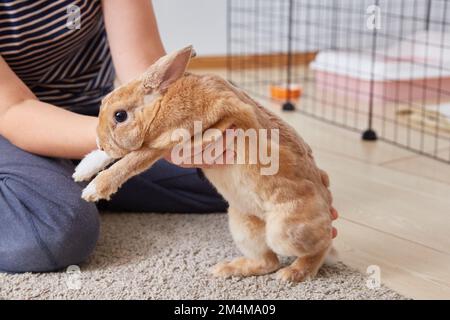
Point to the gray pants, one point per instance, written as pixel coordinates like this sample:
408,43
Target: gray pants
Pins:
45,225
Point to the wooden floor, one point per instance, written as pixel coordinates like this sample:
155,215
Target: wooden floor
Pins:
394,206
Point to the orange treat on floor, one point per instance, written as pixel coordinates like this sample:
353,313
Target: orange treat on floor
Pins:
282,92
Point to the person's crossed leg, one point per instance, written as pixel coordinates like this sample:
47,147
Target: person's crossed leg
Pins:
43,224
46,226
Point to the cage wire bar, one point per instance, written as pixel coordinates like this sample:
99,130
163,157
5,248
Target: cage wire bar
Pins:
378,67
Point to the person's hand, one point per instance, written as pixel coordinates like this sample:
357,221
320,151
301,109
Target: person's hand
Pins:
334,215
226,156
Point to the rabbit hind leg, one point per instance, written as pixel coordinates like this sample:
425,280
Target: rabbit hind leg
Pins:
290,233
303,268
248,232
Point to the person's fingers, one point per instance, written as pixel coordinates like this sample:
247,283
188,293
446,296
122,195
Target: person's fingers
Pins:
184,163
215,152
334,213
219,152
334,232
226,157
193,157
229,156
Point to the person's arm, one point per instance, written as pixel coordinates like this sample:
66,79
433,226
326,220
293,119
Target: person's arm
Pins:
47,130
38,127
133,36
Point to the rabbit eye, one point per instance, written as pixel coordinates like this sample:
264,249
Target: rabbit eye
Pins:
120,116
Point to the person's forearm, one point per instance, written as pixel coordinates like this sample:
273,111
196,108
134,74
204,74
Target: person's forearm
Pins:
133,36
47,130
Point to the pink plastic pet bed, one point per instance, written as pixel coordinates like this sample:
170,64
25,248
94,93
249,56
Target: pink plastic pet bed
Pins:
416,69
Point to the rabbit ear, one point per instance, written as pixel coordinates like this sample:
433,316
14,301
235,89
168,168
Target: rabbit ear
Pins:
167,70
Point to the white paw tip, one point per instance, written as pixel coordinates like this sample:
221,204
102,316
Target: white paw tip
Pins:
77,176
89,192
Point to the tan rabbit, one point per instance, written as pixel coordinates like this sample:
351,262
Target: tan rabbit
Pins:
286,213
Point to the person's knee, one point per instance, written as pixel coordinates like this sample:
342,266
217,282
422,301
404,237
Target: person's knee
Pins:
44,223
74,243
63,235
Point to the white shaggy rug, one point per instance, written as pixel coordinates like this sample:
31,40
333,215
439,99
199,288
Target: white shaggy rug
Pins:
167,256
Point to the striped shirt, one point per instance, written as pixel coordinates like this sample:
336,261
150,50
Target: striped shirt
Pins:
59,49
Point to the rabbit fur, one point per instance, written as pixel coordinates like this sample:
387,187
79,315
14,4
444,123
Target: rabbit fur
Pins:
283,214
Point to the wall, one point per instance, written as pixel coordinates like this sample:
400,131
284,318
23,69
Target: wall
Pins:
198,22
319,25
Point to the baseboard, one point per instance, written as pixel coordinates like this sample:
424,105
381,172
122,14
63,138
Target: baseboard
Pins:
251,61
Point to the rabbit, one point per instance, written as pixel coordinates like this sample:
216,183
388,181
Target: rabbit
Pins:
284,214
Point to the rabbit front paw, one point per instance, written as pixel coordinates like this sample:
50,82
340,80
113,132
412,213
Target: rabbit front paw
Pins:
92,164
90,193
99,188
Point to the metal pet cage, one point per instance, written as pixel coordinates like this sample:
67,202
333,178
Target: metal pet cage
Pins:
379,67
